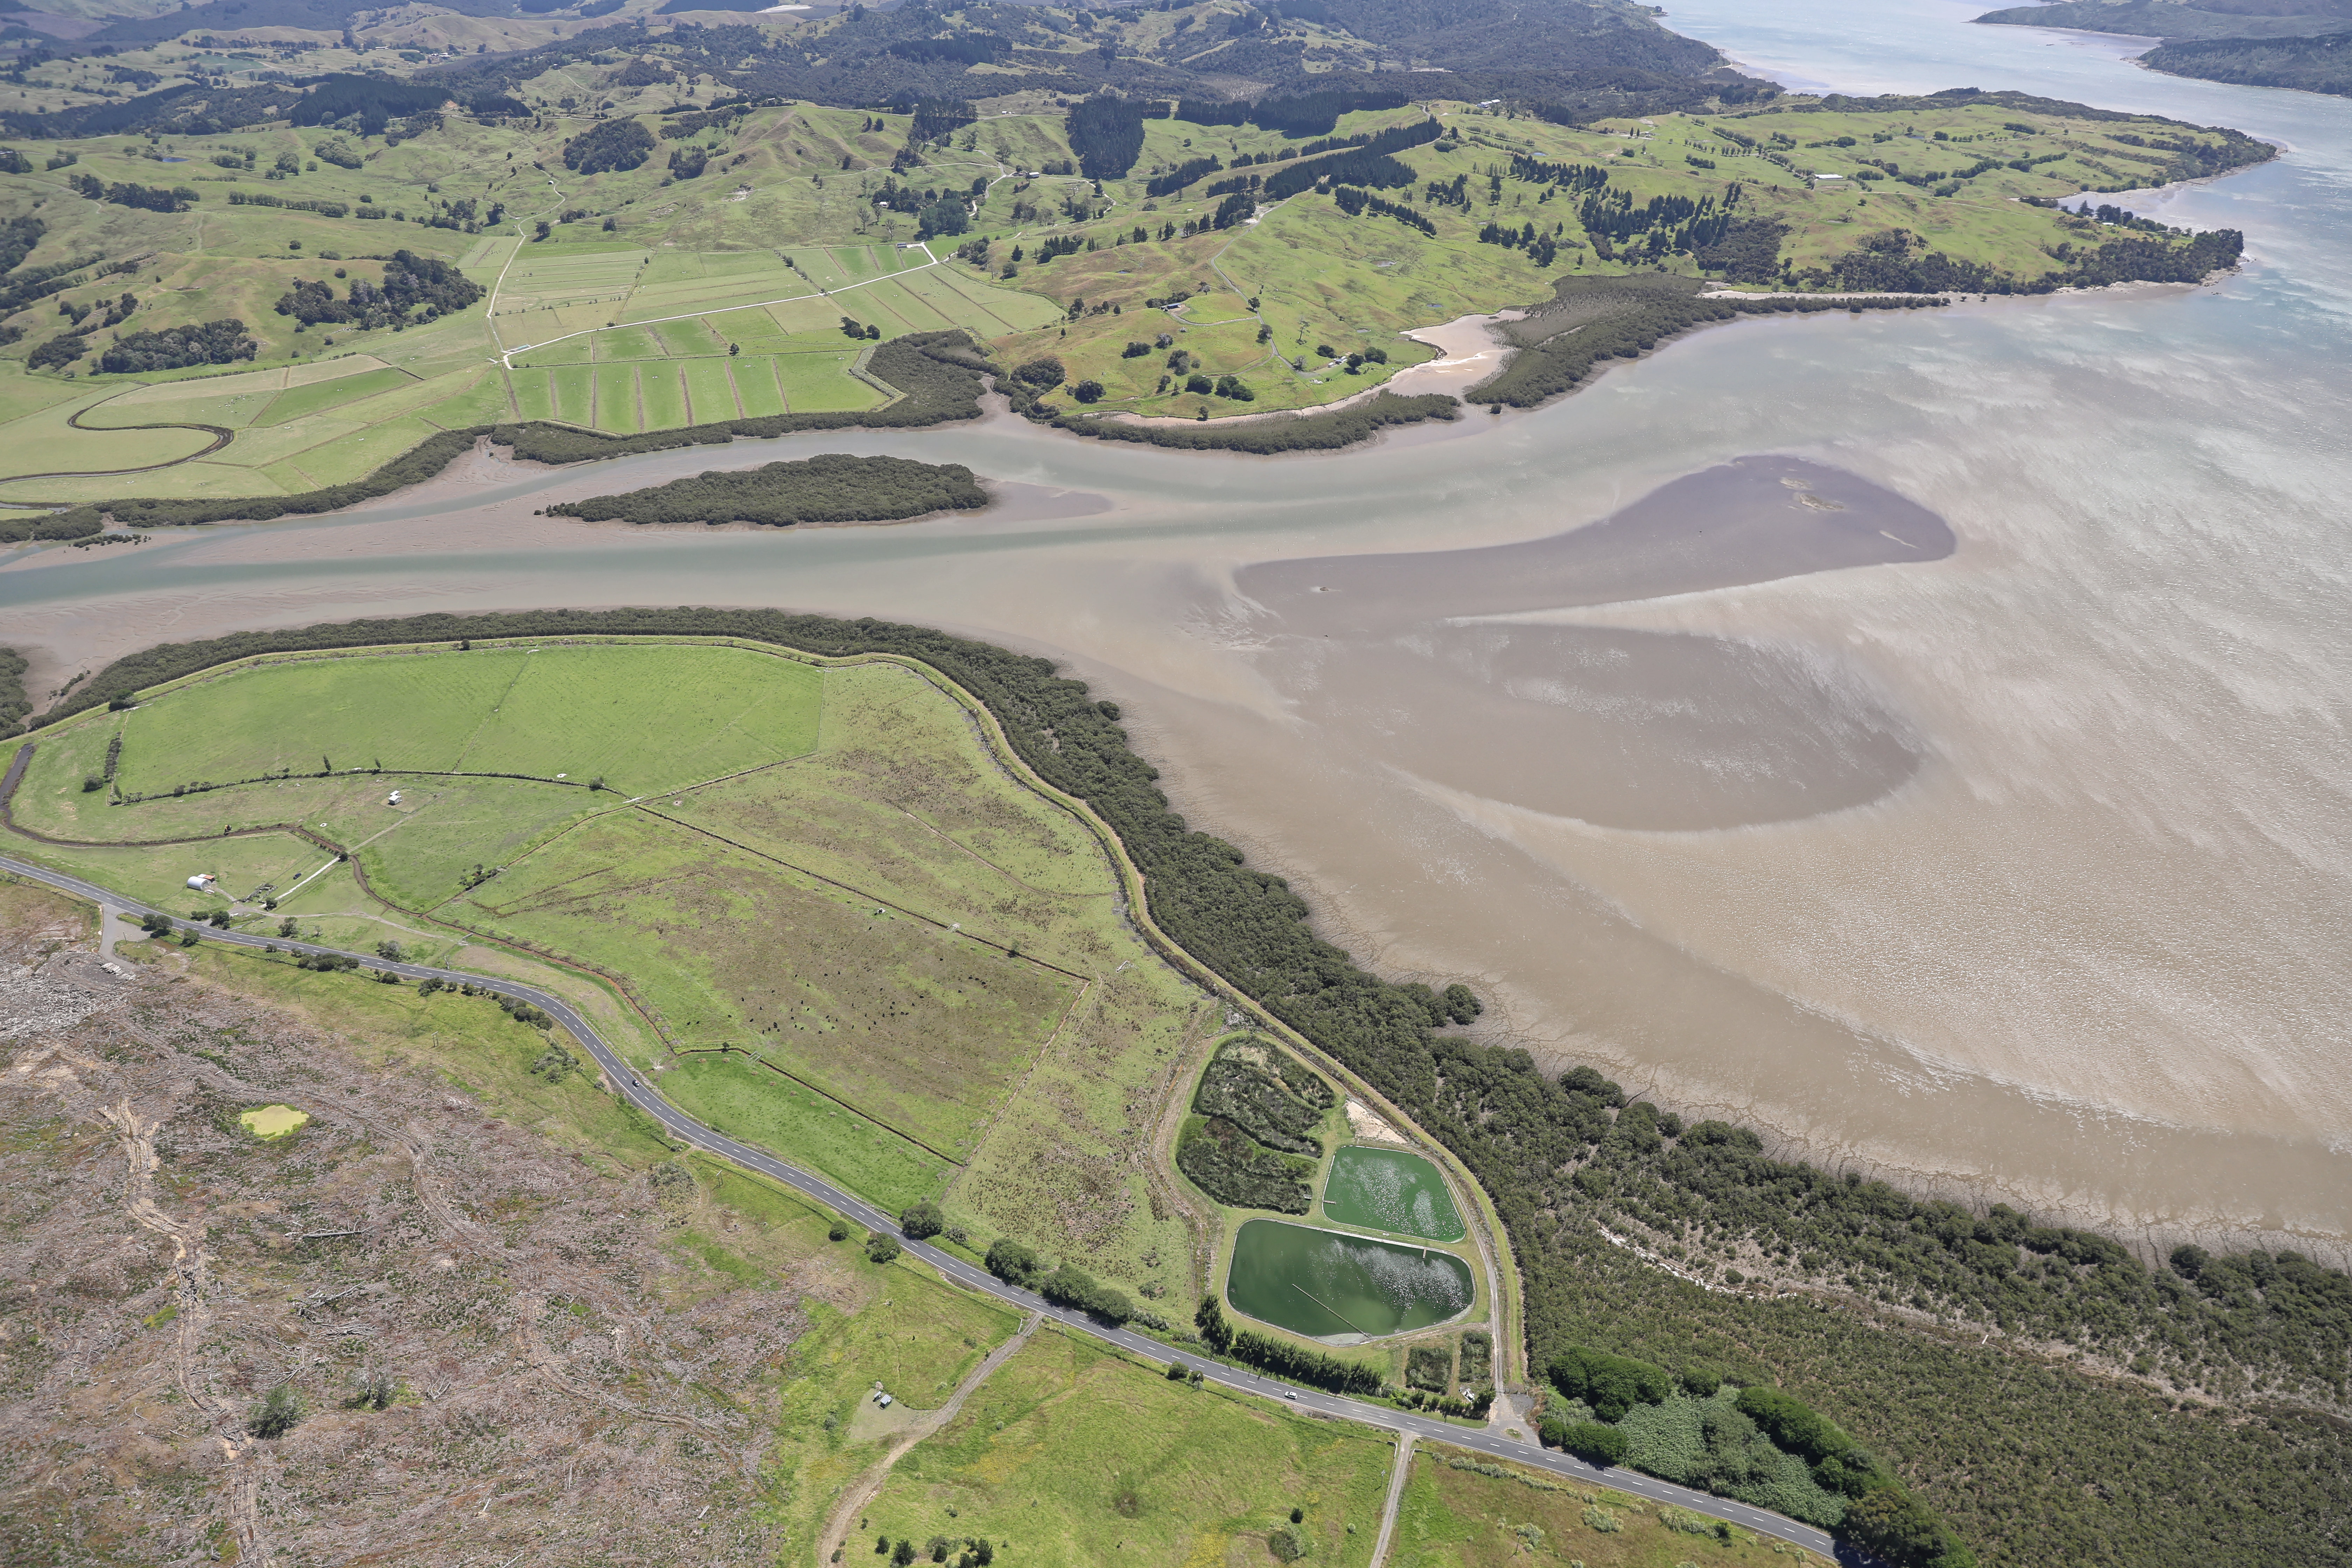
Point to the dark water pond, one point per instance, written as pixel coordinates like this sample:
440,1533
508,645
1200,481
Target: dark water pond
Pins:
1342,1288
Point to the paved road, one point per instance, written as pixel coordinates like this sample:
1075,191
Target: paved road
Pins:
686,1130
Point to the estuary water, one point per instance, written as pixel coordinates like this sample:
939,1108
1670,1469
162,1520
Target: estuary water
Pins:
1921,735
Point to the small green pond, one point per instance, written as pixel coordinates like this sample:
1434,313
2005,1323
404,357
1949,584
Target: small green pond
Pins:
272,1120
1338,1288
1393,1189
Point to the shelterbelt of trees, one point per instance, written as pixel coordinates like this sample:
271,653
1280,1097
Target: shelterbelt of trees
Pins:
1991,1389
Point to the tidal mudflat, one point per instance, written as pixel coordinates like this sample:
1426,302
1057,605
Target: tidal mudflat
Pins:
2014,869
1457,666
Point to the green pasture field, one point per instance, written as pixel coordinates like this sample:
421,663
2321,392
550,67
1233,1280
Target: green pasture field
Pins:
1068,1457
895,1325
918,1029
807,1128
662,395
245,398
824,871
897,801
816,378
756,387
575,393
485,401
679,296
334,911
580,350
157,874
616,398
801,321
814,382
688,339
754,330
297,402
644,718
711,394
43,442
627,344
535,396
1457,1518
415,854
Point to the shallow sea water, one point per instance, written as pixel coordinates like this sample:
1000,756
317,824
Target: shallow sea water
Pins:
2004,852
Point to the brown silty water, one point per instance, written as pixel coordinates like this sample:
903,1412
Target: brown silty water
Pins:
1996,855
1420,653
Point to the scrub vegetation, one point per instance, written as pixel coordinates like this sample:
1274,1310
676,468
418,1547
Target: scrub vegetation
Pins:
2031,1454
1253,1141
831,489
14,702
2322,64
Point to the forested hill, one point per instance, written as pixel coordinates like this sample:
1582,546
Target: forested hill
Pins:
2309,64
2301,43
1585,59
1568,59
2171,21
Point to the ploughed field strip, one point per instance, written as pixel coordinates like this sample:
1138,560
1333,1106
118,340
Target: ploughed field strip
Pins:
851,935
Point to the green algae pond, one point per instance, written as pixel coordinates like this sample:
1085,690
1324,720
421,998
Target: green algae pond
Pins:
270,1122
1342,1288
1391,1190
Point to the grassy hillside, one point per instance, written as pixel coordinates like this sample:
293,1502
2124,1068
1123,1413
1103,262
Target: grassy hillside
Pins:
737,262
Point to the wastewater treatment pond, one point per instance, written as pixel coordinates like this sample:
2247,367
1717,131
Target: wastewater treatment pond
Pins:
1341,1288
1390,1190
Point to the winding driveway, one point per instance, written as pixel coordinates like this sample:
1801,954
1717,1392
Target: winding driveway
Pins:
633,1089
